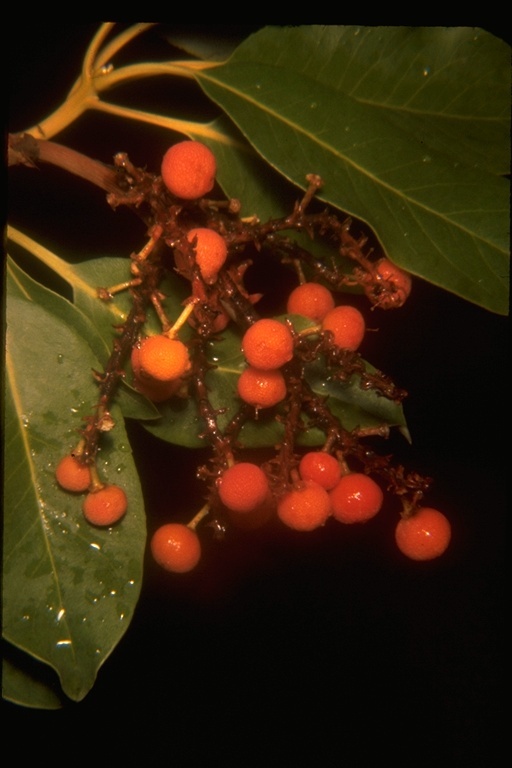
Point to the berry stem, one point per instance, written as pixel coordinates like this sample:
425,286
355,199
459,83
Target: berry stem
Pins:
199,516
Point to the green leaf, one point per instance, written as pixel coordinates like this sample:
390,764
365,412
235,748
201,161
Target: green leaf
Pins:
438,209
69,589
29,683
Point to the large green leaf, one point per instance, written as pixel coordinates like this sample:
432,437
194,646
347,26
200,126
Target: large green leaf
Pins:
400,148
69,589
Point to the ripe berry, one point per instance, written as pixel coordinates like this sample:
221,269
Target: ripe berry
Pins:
261,389
424,535
243,487
160,358
211,251
256,518
390,286
176,547
157,391
347,325
105,506
188,170
356,498
304,508
321,468
72,474
267,344
310,300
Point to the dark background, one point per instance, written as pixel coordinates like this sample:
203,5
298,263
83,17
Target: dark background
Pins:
282,648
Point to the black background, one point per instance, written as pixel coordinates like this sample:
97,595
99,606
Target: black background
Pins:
282,648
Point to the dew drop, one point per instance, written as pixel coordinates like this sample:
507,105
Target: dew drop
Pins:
120,468
313,105
60,359
426,159
426,71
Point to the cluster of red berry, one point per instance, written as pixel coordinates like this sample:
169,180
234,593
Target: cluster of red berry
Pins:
318,484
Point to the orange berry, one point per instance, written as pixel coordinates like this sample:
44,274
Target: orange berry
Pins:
176,547
72,474
310,300
157,391
255,518
188,169
261,389
304,508
211,251
321,468
243,487
356,498
347,325
267,344
159,358
105,506
424,535
390,286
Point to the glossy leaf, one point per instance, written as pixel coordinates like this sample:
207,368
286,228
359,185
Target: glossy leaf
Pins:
80,584
28,682
308,102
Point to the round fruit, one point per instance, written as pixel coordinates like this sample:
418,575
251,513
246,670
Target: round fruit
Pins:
105,506
188,170
72,474
390,286
310,300
356,498
176,547
157,391
159,358
211,251
304,508
261,389
347,325
267,344
424,535
256,518
243,487
321,468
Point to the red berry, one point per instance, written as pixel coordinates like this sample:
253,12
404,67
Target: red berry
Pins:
211,252
72,474
320,467
347,325
159,358
261,389
311,300
176,547
304,508
188,170
267,344
424,535
105,506
356,498
255,518
157,391
390,286
243,487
